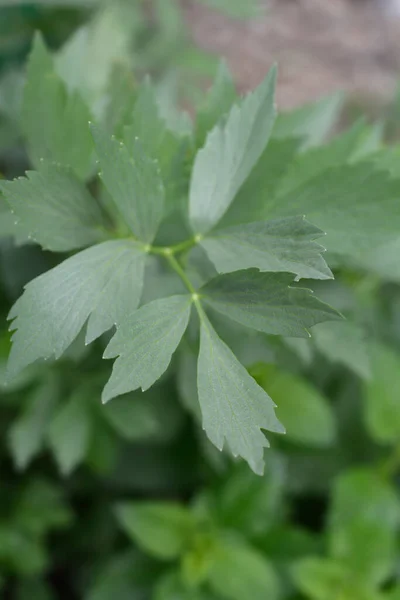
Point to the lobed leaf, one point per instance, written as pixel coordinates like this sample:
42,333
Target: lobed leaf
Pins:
134,182
101,285
234,407
55,208
281,245
230,153
266,302
144,344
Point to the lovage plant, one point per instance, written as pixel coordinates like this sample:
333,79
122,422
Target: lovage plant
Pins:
181,233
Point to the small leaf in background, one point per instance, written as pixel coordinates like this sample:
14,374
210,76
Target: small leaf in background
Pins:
101,284
286,245
312,122
363,523
144,344
171,587
121,99
230,153
27,434
41,508
234,407
134,182
54,123
382,410
87,59
266,302
240,572
163,529
145,416
218,102
54,208
325,579
308,416
344,343
69,432
36,588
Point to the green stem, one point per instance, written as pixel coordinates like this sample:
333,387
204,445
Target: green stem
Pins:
178,269
186,245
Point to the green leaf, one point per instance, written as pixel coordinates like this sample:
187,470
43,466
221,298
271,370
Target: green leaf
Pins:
102,284
86,61
262,183
241,572
145,343
163,529
218,102
234,407
121,99
171,587
312,122
230,153
266,302
344,343
55,124
69,432
54,207
382,412
36,588
307,414
134,181
342,201
326,579
283,245
144,416
27,434
308,164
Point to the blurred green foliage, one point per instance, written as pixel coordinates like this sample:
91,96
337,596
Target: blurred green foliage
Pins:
129,500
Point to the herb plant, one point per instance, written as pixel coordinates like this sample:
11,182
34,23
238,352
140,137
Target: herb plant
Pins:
191,253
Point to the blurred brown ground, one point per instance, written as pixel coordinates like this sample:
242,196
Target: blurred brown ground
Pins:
321,46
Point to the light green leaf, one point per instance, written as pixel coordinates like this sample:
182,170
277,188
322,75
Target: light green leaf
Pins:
345,343
163,529
144,344
171,587
86,61
283,245
234,407
266,302
241,572
102,284
343,202
307,414
363,521
326,579
312,122
218,102
230,153
27,434
382,412
121,99
54,123
134,181
69,432
55,208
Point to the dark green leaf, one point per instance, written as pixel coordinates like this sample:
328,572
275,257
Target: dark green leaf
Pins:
266,302
163,529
